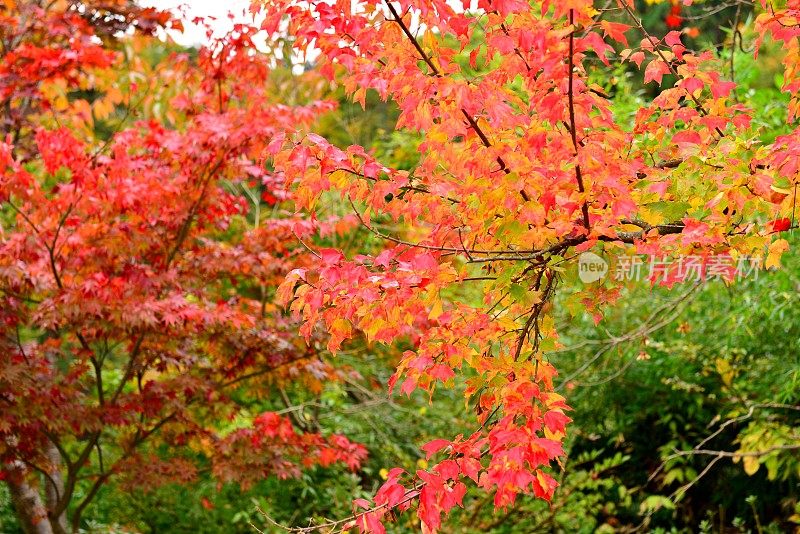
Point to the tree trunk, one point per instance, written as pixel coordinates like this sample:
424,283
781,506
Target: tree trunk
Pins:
31,511
54,490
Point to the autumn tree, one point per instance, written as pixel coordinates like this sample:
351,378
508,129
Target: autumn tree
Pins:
55,43
524,165
137,270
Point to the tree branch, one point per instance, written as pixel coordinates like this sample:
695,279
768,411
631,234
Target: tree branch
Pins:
435,71
572,127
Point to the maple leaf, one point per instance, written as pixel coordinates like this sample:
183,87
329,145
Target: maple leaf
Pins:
781,225
435,446
556,421
615,30
655,71
776,250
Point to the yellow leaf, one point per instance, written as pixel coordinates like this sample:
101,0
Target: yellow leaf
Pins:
555,436
340,326
781,190
114,95
776,249
339,179
103,108
372,327
725,371
750,465
650,217
436,310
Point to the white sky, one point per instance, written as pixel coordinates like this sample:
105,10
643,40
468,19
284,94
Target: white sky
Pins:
218,9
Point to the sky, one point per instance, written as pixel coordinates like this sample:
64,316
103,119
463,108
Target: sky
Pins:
203,8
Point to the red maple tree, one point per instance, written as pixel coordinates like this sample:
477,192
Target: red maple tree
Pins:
135,287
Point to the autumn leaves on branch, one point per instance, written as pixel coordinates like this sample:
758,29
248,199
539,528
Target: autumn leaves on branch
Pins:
523,166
